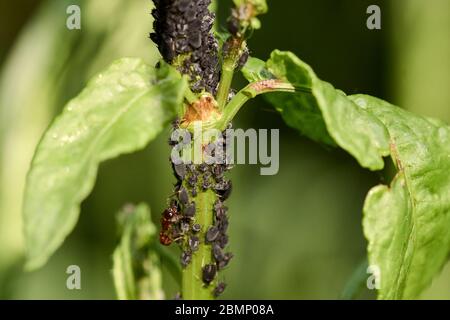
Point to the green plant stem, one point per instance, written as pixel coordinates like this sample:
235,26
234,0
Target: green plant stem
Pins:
229,65
250,92
193,287
190,96
225,83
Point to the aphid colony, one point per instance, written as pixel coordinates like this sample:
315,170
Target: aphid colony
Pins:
178,223
182,31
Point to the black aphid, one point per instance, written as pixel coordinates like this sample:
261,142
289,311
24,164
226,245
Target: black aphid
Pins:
234,21
233,25
218,171
191,168
206,184
203,167
219,289
223,224
184,226
243,59
212,234
177,233
224,262
218,253
183,196
208,273
223,189
186,257
192,181
220,210
180,170
196,228
190,210
194,242
222,241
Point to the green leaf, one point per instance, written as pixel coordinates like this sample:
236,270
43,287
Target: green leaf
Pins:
408,224
136,267
50,74
321,112
255,70
119,111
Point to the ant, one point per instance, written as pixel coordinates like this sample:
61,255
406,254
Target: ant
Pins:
169,217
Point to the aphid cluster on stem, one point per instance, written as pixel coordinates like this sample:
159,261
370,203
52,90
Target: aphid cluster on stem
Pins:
178,221
182,32
217,235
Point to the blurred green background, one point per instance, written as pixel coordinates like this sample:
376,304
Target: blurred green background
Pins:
296,235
